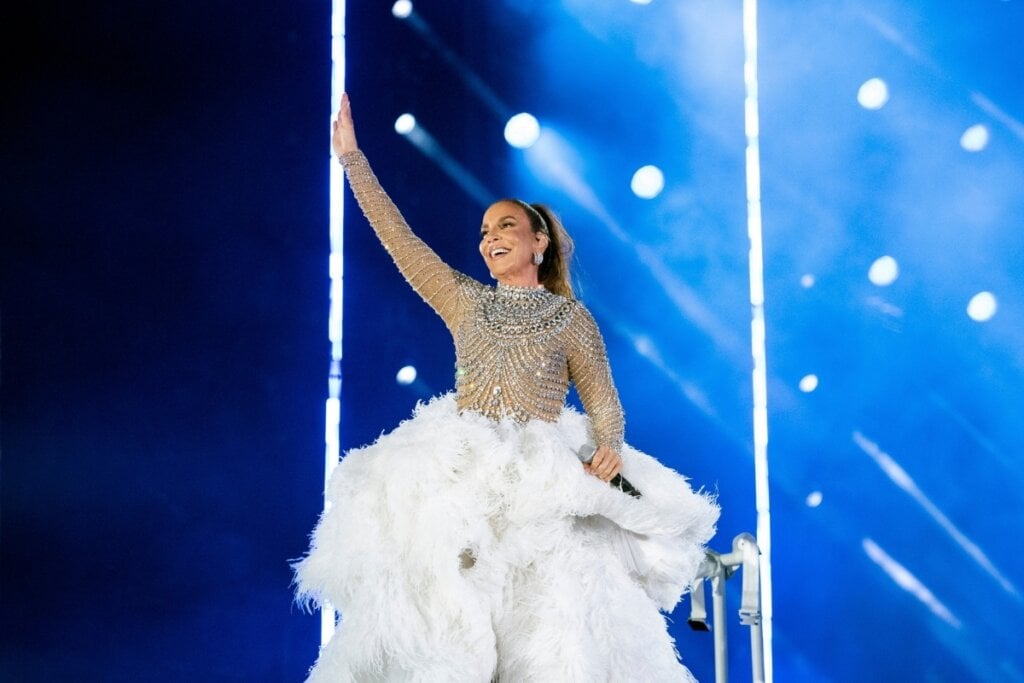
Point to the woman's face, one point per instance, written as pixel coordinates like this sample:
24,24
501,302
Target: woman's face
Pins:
508,243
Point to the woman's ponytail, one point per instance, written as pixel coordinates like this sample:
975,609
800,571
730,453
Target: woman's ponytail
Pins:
554,270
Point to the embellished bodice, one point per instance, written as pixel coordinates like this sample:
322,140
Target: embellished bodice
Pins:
516,348
510,353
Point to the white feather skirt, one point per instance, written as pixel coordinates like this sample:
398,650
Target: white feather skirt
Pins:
456,548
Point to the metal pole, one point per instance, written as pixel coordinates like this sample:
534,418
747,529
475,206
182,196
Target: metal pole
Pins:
718,568
757,653
721,639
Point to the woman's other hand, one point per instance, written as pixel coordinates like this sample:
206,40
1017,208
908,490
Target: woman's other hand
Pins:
344,138
605,464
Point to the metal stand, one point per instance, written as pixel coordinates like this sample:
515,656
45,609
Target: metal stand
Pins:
719,568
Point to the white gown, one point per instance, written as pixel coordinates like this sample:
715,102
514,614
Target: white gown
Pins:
470,545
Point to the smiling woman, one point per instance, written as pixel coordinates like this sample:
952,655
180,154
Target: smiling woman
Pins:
512,244
542,240
471,543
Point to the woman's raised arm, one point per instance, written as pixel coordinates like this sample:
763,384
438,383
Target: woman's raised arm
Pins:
433,279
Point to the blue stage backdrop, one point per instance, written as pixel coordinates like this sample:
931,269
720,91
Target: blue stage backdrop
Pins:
163,321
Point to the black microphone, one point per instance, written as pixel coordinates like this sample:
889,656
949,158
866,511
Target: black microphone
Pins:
586,454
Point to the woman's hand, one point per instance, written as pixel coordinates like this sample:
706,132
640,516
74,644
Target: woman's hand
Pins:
344,138
605,464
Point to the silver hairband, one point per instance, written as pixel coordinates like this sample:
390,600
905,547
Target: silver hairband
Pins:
543,223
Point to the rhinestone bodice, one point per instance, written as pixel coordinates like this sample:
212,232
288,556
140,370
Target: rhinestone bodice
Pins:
516,348
510,353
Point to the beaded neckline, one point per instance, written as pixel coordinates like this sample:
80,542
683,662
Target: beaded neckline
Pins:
520,291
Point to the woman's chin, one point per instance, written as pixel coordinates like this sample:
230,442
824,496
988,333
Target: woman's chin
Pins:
499,273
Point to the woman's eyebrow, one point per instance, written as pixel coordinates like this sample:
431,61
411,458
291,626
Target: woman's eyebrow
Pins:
483,228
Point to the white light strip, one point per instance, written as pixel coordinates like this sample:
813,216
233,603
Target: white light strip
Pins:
908,582
757,326
422,140
332,413
469,78
902,478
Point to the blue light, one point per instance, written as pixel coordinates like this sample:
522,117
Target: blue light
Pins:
975,138
884,271
402,9
982,307
873,94
405,124
406,375
648,182
522,131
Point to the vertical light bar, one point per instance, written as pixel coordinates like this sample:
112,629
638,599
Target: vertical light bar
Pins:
757,325
332,427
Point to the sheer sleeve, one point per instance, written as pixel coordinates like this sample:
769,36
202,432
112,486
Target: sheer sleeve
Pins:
441,286
590,372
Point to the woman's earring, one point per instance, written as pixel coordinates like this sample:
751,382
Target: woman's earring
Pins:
492,275
538,258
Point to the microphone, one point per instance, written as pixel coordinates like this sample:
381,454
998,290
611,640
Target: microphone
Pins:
586,454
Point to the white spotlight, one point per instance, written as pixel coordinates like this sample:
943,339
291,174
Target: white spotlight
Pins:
814,499
402,9
406,375
808,383
522,130
807,281
982,306
873,94
648,182
884,271
974,138
641,2
405,124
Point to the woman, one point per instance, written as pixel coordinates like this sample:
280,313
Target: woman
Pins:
471,544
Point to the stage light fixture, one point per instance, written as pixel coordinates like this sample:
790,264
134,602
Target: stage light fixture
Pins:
806,280
975,138
522,131
405,124
406,375
813,499
884,271
982,306
808,383
648,182
402,9
873,93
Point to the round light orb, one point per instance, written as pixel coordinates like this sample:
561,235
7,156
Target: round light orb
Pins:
643,345
807,281
522,130
808,383
884,271
406,375
873,93
647,182
982,306
975,138
402,9
405,124
813,499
